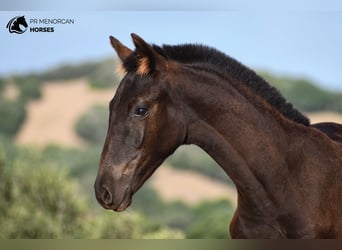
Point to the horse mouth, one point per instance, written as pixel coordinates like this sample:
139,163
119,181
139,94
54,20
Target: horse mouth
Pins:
125,202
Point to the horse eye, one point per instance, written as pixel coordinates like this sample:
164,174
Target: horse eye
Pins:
140,111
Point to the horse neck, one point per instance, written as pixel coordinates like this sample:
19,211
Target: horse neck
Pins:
241,133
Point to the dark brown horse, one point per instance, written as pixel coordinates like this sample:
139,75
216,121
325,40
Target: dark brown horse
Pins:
333,130
287,173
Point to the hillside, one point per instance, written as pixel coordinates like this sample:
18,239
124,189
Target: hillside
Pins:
51,119
325,116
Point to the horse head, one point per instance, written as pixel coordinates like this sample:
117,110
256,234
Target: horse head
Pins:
14,25
144,125
21,20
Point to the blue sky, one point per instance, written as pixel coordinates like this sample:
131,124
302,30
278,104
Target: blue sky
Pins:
300,38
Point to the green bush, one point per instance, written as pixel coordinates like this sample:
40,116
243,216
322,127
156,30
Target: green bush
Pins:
12,116
13,112
304,94
148,202
211,220
177,215
194,158
206,220
101,74
92,126
2,84
104,75
39,200
68,71
80,162
29,86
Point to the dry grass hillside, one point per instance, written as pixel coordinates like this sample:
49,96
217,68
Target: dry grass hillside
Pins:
325,117
51,119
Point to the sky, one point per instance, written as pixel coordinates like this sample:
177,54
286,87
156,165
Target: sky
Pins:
299,38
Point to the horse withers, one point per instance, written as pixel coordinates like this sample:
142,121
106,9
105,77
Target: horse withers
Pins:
286,172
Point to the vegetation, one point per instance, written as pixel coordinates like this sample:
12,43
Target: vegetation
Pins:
101,74
211,220
304,94
39,200
194,158
105,74
12,115
29,87
92,126
207,220
12,112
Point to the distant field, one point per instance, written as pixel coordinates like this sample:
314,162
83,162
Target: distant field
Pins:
189,187
51,119
325,117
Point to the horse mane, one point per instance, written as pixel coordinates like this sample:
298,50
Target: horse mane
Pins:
196,53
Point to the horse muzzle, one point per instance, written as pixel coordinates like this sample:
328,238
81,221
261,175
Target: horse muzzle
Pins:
117,199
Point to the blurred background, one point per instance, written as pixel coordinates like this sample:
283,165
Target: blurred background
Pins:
54,95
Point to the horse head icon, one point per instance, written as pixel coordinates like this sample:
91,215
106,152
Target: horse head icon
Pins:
17,25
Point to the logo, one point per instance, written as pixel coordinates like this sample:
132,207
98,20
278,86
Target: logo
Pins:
17,25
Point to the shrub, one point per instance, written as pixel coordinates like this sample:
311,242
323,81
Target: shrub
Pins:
2,83
92,126
177,215
29,86
211,220
12,116
194,158
68,71
104,75
304,94
39,200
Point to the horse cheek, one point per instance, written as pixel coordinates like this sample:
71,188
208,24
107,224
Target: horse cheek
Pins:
136,137
139,138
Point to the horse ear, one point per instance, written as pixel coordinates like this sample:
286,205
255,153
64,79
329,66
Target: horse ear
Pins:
122,51
148,59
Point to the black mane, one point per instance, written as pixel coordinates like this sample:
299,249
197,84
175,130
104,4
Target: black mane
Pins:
189,53
194,53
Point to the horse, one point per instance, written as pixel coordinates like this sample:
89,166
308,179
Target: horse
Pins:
287,172
14,25
331,129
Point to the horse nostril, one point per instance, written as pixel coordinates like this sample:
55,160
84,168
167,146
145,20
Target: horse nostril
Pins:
106,196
